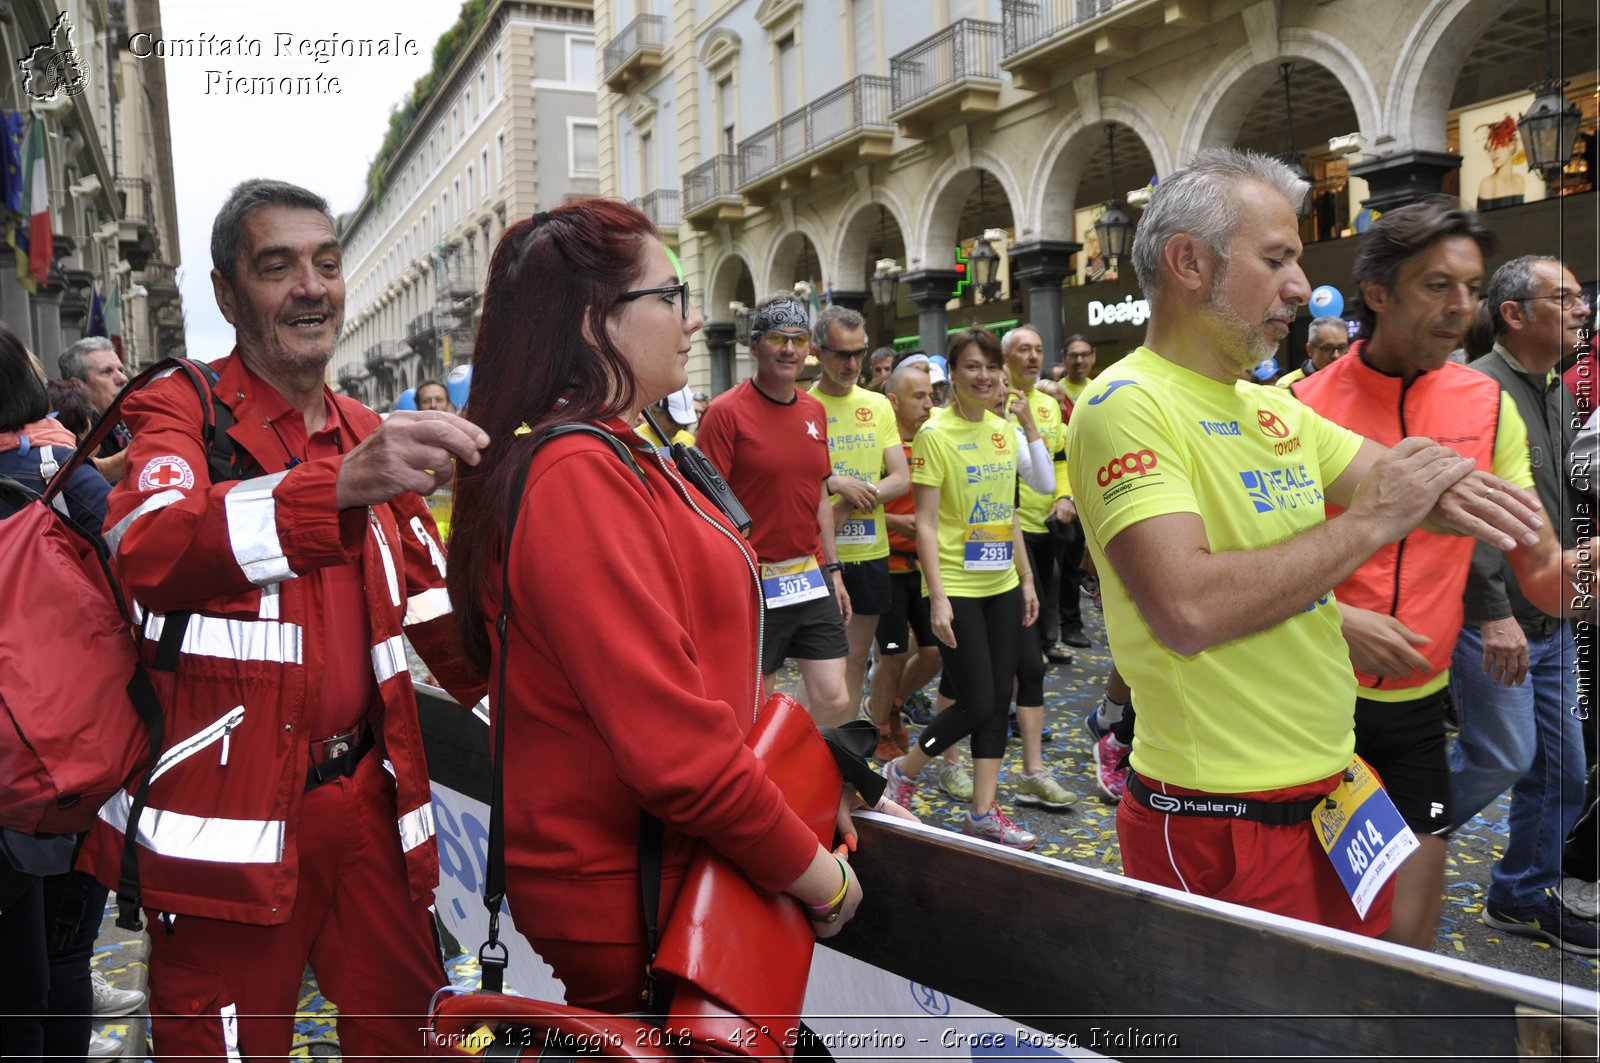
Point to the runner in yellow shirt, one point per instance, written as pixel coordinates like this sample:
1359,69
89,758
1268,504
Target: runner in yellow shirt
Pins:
1202,499
1077,354
869,469
976,577
1039,417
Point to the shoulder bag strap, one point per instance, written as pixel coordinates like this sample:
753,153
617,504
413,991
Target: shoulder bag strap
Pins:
493,956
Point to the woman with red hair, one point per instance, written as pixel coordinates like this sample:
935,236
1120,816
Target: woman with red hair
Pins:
1503,187
633,644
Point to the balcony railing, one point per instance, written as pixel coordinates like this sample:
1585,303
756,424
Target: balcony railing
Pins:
454,276
1027,22
661,207
965,50
161,281
643,38
712,179
421,325
859,105
134,194
380,354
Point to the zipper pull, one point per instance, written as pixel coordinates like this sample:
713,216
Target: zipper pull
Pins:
227,735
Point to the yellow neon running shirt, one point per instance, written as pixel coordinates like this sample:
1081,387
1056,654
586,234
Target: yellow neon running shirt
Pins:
1035,507
1269,710
861,426
974,465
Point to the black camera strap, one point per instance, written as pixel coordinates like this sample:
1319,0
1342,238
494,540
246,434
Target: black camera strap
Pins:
493,955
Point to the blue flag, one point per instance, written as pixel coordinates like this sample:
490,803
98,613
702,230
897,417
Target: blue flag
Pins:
12,125
97,315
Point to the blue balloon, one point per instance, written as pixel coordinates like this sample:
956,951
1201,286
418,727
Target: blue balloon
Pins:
407,400
459,383
1326,301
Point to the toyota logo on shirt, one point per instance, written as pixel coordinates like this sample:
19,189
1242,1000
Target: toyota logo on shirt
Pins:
863,414
1272,424
1134,463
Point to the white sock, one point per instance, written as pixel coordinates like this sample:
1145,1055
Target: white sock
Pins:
1109,712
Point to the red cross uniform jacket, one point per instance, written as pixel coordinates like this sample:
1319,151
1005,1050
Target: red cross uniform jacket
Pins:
217,837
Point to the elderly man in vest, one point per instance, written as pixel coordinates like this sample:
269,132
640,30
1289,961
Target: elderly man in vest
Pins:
1515,682
1420,269
290,819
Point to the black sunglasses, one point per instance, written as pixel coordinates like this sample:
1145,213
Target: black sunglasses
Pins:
682,288
853,352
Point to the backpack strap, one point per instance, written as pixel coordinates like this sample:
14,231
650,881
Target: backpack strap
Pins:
48,465
225,460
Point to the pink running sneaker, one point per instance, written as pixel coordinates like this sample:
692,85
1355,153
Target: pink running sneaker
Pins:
1111,766
900,789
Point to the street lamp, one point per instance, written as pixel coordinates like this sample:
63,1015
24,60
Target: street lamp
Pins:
1292,157
886,283
1551,124
886,277
743,318
985,263
1115,228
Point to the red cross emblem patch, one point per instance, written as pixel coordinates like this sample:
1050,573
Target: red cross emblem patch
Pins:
166,472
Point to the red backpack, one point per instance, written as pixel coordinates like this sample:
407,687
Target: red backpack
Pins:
79,717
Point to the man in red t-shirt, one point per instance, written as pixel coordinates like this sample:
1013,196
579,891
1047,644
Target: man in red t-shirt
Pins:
770,442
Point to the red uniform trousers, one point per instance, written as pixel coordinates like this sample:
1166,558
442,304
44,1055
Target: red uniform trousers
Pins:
1278,869
224,990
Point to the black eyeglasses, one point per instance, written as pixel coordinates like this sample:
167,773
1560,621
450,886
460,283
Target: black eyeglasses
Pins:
1568,300
853,352
682,288
1329,347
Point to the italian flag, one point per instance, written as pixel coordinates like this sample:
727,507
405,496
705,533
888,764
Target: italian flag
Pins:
114,316
36,201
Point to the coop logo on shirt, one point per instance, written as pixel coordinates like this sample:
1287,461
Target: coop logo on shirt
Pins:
1129,472
1133,463
1272,490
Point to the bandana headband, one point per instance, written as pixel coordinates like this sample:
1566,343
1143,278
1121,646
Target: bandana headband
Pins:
780,314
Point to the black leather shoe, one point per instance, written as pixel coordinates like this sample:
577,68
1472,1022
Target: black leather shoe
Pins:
1075,637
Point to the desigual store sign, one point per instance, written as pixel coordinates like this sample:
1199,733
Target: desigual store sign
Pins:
1131,310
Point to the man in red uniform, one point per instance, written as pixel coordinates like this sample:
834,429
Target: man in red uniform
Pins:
290,820
770,441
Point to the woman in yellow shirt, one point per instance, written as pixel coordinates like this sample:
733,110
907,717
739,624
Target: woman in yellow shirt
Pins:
975,575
